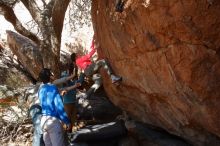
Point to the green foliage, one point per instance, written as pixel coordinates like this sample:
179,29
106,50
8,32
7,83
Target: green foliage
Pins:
79,14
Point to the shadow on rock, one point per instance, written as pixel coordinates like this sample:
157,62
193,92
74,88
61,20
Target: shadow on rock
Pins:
97,107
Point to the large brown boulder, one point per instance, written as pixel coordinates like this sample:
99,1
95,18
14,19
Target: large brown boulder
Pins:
26,51
168,54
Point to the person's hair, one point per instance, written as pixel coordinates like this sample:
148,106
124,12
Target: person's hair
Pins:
70,68
73,57
73,65
44,75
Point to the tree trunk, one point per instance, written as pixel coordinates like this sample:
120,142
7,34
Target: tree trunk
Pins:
49,19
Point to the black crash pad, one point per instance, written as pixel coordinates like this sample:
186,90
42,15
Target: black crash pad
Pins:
98,132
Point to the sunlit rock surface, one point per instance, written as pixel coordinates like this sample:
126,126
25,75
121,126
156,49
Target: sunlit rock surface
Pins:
168,54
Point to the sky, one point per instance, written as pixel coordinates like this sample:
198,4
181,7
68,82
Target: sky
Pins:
85,33
4,26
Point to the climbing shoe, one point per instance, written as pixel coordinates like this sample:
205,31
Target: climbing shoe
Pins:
81,96
119,7
116,79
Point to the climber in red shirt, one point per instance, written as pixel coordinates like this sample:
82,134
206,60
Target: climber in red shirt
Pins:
91,68
84,61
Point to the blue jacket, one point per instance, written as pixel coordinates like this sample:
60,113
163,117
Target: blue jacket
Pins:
51,102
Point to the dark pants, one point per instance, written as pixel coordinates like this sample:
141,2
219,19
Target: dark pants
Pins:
35,114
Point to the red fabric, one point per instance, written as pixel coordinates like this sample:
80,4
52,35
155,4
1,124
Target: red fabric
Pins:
83,61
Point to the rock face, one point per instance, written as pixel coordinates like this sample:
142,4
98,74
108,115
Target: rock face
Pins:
27,52
168,54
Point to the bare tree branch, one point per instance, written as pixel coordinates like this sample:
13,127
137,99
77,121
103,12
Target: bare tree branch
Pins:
58,15
9,3
50,7
34,10
43,1
10,16
31,25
